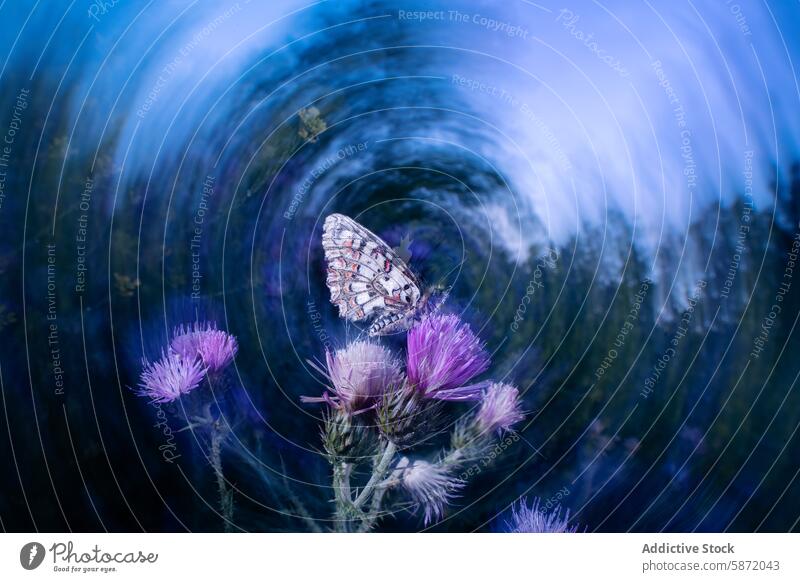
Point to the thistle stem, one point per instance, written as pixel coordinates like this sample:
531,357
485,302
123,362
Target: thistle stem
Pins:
341,489
375,488
348,510
225,494
375,505
378,473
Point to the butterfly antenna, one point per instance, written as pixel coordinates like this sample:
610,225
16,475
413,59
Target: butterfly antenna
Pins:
450,272
358,337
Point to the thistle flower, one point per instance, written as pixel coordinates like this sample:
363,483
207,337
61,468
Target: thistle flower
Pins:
429,485
500,408
214,347
170,377
443,355
535,519
360,375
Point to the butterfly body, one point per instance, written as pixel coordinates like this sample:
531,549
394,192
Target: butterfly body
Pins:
367,279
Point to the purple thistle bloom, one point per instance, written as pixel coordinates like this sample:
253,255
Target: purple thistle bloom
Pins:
429,485
535,519
500,408
360,375
214,347
443,355
170,377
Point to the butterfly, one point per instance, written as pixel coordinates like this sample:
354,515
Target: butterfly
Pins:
367,279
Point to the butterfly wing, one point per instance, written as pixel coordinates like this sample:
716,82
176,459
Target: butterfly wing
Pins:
365,276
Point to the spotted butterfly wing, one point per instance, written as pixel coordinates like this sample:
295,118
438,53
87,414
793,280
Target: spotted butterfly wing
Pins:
366,278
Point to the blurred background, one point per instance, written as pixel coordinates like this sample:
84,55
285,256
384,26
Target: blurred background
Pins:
612,190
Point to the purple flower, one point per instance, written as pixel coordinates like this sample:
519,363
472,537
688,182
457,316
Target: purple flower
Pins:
500,408
429,485
360,375
535,519
214,347
170,377
443,355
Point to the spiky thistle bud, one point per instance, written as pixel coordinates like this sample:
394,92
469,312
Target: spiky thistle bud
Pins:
428,484
500,408
535,519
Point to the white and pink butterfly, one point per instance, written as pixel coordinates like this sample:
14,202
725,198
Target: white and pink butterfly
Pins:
367,279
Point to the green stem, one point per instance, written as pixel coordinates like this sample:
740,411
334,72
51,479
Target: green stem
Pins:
378,473
341,489
349,512
376,488
225,494
377,499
